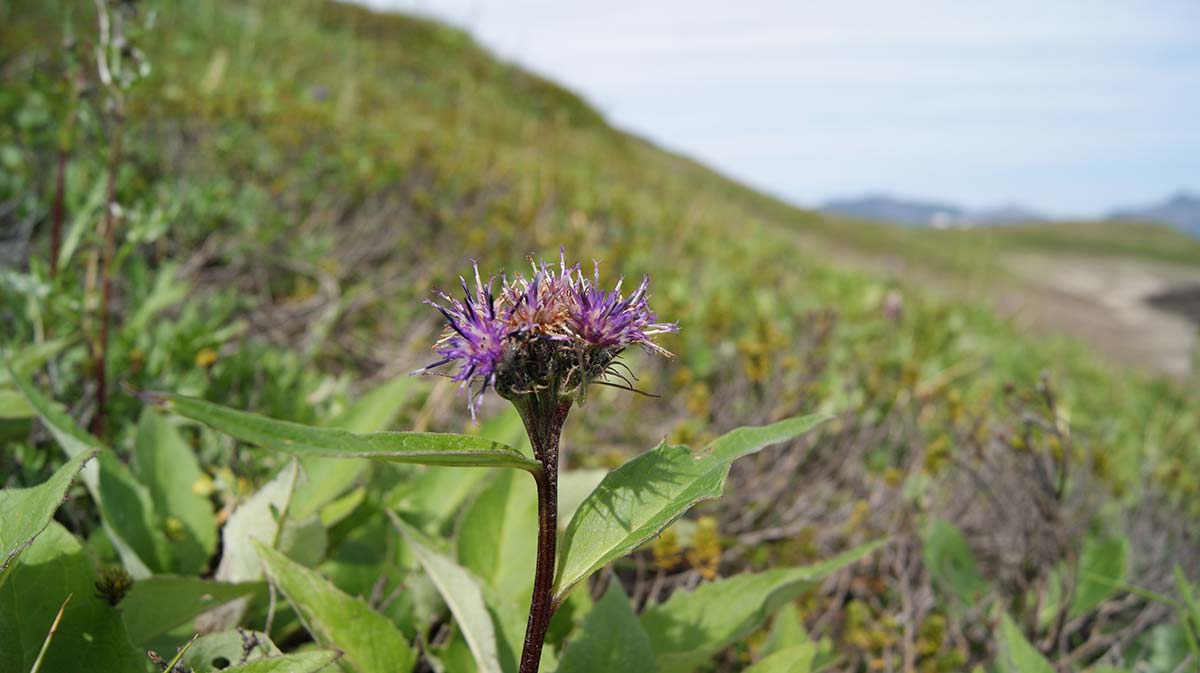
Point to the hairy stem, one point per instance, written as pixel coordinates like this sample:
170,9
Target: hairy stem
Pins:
544,414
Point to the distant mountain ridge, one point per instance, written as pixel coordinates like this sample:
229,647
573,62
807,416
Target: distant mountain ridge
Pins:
920,213
1182,211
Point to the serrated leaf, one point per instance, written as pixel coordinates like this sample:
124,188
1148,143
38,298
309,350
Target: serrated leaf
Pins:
643,496
126,509
689,627
26,512
610,639
304,662
158,604
91,630
169,469
463,596
1017,655
371,643
421,448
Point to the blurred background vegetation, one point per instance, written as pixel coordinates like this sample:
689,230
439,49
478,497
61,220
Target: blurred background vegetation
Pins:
294,178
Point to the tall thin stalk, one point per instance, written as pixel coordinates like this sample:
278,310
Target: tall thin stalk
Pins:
544,414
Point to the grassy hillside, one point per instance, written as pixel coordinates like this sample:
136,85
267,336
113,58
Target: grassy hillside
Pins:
296,177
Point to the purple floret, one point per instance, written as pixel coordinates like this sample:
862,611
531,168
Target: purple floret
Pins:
474,338
605,319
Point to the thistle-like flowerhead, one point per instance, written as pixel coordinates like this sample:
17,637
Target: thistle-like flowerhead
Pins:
554,332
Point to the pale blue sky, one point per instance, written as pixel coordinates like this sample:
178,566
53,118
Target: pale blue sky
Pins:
1070,107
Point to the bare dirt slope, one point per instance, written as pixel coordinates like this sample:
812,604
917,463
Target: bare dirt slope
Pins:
1110,303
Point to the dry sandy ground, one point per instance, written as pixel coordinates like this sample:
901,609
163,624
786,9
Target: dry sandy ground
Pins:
1104,302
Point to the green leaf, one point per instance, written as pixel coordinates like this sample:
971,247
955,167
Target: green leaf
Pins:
262,517
304,662
464,597
258,519
14,406
25,360
371,643
158,604
52,568
1189,612
1102,567
787,631
169,469
639,499
216,652
795,659
377,409
373,412
611,639
574,486
423,448
690,627
25,512
126,509
1017,655
497,539
951,562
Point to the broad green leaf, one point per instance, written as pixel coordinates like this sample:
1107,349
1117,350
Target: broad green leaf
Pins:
497,539
378,408
1017,655
257,519
260,518
158,604
435,495
573,488
169,469
371,643
951,562
13,405
25,512
217,652
304,662
91,630
689,627
126,509
611,639
1102,567
423,448
25,360
463,596
639,499
373,412
787,631
795,659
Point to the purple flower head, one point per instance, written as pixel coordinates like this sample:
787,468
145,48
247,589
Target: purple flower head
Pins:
606,319
551,334
473,338
539,306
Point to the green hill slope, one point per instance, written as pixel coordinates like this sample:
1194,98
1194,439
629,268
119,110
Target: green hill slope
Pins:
297,176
